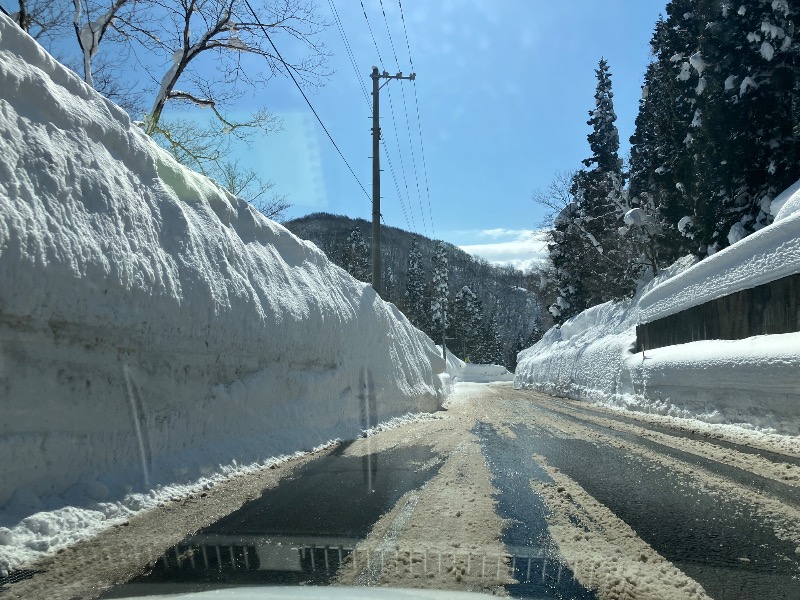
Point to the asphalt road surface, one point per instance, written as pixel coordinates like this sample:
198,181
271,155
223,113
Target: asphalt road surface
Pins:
506,492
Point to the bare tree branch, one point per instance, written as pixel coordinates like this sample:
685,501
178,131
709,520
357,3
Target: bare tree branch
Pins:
213,25
246,184
91,32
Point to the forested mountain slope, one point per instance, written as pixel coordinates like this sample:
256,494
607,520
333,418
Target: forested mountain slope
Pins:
508,300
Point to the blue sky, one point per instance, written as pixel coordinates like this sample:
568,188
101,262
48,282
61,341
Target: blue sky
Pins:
504,87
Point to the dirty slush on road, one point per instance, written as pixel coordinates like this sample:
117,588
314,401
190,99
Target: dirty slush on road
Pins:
484,496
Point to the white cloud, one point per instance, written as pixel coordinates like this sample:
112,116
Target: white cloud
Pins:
520,248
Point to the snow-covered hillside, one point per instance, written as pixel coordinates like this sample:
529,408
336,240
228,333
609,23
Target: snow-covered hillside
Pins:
153,328
752,382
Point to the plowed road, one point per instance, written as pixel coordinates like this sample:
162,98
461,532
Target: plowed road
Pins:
506,492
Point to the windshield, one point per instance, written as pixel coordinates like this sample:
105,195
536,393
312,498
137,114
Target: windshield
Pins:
399,298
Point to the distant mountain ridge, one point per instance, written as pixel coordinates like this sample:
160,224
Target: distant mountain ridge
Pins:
507,294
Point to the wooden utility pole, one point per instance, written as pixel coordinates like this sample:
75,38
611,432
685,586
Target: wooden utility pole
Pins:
376,170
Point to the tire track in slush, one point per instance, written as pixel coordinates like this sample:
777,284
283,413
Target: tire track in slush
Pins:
735,541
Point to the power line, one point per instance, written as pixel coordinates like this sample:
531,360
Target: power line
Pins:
391,41
411,225
402,162
424,166
405,32
376,76
394,122
414,164
371,33
351,55
349,51
289,71
419,122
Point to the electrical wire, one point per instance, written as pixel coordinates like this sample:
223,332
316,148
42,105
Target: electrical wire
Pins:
419,122
380,58
424,165
289,71
412,226
350,54
397,137
413,162
402,162
394,121
389,31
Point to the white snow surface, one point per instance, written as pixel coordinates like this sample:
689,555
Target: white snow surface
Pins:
460,371
751,382
476,373
766,255
786,203
157,333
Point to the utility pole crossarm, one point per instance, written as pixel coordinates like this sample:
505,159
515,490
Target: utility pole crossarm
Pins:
376,76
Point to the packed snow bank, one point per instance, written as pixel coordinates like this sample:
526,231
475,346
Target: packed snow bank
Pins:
460,371
750,382
454,364
766,255
152,326
485,373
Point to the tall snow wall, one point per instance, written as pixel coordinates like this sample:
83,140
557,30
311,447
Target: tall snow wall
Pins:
750,382
152,326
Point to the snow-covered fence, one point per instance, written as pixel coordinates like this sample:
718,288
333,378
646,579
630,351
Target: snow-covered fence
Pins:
770,308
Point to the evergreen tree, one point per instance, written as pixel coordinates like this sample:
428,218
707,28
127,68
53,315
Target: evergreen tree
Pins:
466,329
657,154
356,257
604,138
747,146
591,259
717,135
490,347
439,298
416,302
571,257
388,283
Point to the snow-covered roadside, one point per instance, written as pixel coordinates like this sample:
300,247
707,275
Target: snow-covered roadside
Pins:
156,331
473,372
751,382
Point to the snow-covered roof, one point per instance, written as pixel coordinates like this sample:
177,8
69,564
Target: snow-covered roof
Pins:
767,255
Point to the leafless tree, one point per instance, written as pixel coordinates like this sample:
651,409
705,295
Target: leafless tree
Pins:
248,185
205,148
42,19
188,33
192,53
556,197
91,23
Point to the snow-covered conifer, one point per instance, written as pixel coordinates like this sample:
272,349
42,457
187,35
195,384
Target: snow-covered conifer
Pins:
357,256
590,259
439,301
416,307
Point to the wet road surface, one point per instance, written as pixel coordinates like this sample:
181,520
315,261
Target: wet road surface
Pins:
298,533
715,536
593,505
